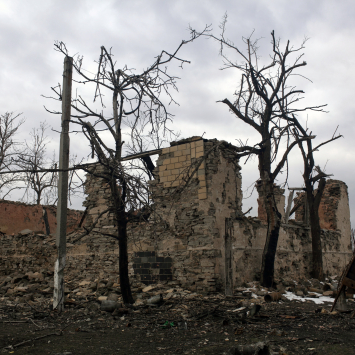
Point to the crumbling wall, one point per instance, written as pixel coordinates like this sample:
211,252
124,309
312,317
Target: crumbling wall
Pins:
294,251
188,220
334,212
197,187
17,216
35,252
183,240
279,198
98,199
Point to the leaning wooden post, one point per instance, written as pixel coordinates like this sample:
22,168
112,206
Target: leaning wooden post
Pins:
58,296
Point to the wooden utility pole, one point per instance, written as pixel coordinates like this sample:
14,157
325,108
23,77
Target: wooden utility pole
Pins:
61,233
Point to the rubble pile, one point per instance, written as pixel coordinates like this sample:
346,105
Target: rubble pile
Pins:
38,287
167,317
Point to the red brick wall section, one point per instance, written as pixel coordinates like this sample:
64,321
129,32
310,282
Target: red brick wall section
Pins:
328,206
17,216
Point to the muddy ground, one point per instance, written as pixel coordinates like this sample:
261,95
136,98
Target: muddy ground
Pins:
203,325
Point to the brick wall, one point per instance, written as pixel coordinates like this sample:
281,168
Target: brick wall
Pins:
334,198
177,165
17,216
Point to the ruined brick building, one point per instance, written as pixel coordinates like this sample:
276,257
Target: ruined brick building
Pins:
197,236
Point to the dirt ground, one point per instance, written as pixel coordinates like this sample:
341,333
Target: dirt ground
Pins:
207,325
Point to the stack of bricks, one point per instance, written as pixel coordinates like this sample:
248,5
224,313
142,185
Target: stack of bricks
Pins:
183,161
152,268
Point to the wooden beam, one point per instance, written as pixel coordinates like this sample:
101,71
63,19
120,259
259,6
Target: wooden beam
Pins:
141,155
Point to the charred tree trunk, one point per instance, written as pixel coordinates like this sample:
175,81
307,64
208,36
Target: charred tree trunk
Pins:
317,253
273,215
121,220
46,223
123,264
272,236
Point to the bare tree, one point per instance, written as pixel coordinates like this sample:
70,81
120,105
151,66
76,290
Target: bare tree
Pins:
265,100
312,174
136,101
40,186
9,125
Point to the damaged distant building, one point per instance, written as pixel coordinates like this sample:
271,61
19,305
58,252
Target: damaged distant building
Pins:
198,235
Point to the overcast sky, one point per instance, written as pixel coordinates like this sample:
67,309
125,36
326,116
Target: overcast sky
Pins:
138,30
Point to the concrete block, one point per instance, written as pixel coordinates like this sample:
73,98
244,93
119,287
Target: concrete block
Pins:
193,153
202,190
171,166
165,150
178,165
178,153
163,178
174,160
202,196
202,183
182,158
171,177
166,161
180,247
199,143
199,154
176,183
199,149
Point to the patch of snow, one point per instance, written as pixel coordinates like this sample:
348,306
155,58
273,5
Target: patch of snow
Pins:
320,300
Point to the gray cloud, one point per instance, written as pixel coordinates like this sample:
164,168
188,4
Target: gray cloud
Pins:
139,30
